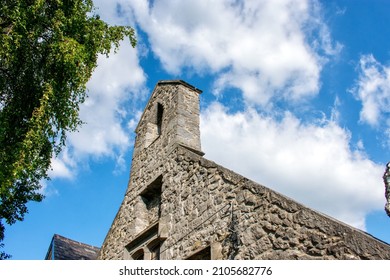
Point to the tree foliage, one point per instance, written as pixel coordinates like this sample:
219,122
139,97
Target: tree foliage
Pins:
48,51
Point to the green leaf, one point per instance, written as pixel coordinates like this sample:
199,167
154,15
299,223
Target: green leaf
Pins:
48,52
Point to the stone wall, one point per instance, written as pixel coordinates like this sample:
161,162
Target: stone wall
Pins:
179,124
249,221
185,204
204,204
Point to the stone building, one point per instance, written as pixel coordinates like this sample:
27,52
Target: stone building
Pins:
179,205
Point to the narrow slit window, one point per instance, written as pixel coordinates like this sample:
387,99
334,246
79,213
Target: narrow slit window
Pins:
160,112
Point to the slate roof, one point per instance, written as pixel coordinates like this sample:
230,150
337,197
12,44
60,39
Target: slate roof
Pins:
62,248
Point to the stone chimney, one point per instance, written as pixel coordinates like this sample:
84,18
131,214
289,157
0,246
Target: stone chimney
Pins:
171,118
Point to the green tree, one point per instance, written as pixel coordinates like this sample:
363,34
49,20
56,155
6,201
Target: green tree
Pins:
48,51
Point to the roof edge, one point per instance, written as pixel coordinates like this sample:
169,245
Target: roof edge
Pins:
180,82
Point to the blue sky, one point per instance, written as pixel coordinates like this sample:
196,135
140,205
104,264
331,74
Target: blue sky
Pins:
296,96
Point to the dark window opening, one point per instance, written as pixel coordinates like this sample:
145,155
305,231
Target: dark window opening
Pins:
160,112
204,254
151,196
155,249
147,245
139,255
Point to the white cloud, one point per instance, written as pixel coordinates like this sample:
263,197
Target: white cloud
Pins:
117,83
373,90
260,47
270,50
111,12
312,163
62,166
113,91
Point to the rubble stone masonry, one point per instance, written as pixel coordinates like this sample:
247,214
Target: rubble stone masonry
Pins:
180,205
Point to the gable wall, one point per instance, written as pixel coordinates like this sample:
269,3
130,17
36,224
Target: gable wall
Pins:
206,205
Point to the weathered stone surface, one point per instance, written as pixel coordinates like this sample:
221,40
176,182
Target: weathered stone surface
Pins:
206,205
386,180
